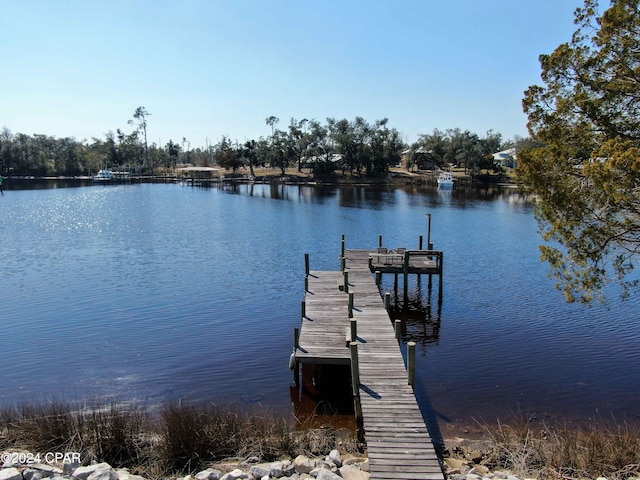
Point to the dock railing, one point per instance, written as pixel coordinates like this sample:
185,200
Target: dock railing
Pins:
406,261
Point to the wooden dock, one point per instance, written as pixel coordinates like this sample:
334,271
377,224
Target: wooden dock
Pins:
325,317
398,443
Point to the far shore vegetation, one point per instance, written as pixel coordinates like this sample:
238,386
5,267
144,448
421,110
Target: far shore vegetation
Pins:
182,437
345,148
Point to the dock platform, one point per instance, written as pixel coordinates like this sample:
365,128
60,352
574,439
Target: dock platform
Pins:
397,439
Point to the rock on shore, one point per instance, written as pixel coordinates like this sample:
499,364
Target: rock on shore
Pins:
331,467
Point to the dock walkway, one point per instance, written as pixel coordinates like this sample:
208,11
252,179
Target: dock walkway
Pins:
398,443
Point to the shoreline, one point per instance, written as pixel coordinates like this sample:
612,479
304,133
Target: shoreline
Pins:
292,177
463,460
187,440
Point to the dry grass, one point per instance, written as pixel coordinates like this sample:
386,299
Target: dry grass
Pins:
114,434
196,434
554,452
183,438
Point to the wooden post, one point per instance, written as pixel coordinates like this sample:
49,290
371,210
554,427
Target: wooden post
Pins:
355,386
378,277
304,308
398,328
379,241
441,275
346,281
296,373
387,300
296,367
354,330
342,249
420,246
306,263
411,363
355,369
405,268
350,304
306,283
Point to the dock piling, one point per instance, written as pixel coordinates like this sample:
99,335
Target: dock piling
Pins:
355,385
405,269
411,363
295,363
440,279
351,294
355,369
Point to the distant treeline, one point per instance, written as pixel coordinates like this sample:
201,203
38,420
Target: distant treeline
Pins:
356,146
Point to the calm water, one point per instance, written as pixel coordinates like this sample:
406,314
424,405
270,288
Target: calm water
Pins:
146,293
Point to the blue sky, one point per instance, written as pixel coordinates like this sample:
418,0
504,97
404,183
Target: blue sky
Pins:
207,68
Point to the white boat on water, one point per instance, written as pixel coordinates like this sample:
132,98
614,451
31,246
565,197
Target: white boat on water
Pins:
104,175
445,180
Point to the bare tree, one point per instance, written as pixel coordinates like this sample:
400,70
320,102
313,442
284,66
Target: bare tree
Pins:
140,119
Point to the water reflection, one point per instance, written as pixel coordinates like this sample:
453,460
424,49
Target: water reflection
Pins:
11,183
358,197
378,197
420,315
